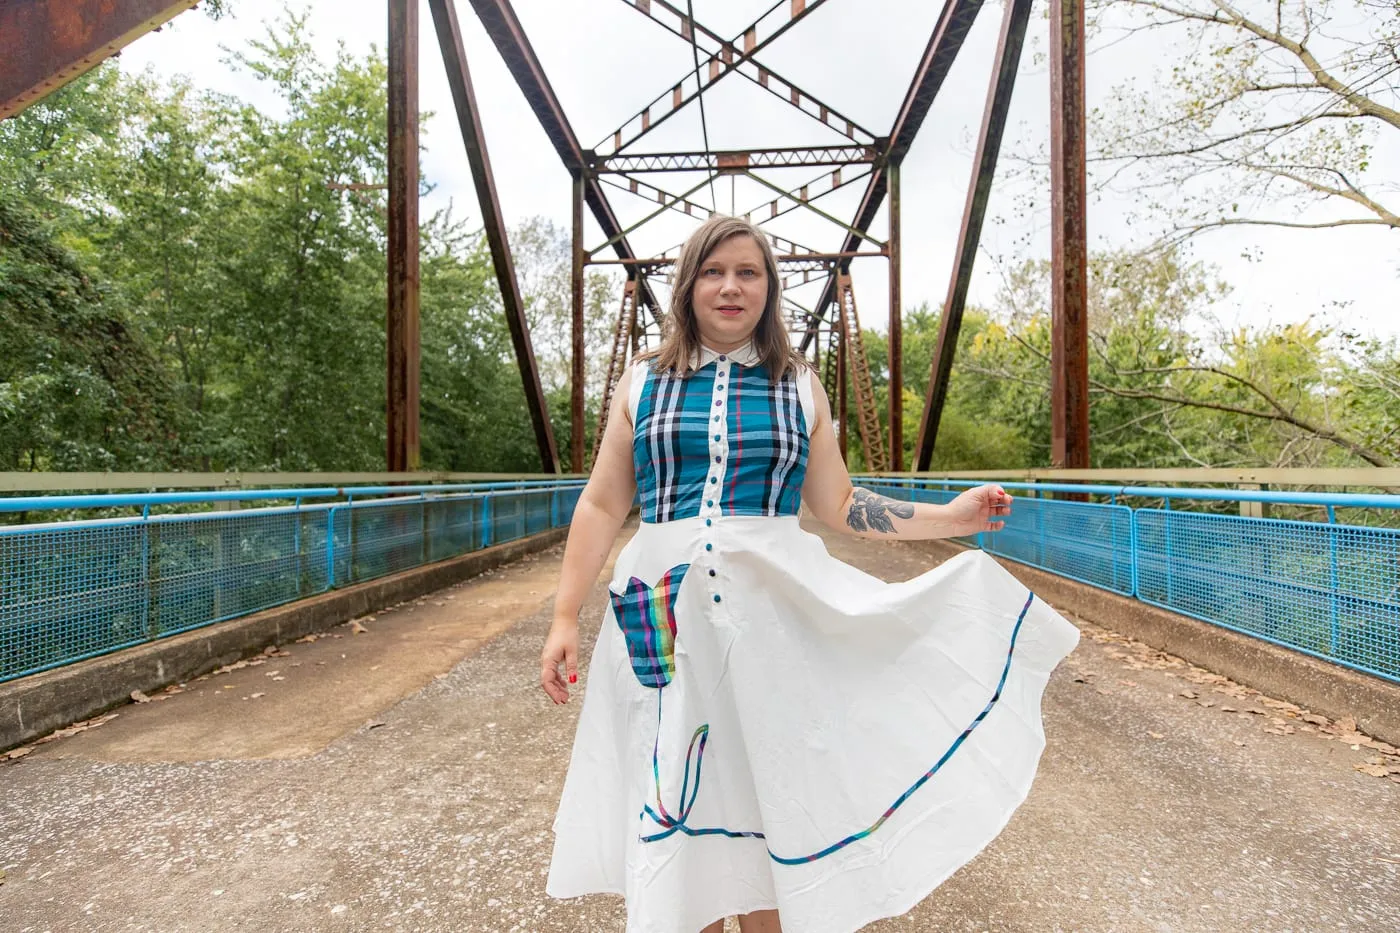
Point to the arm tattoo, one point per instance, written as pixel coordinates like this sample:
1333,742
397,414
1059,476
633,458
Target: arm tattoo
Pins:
870,512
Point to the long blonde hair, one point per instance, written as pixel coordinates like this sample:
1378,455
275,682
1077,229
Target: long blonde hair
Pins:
680,340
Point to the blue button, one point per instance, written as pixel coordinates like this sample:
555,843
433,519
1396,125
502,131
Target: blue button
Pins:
716,437
723,358
717,460
709,547
714,479
716,597
710,503
720,387
719,401
716,417
712,573
708,523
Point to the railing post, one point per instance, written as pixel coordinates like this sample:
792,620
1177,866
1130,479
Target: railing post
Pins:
424,554
1253,509
152,578
1332,532
487,517
330,546
1133,549
296,549
352,564
1167,540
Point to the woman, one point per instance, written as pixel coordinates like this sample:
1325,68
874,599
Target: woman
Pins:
860,740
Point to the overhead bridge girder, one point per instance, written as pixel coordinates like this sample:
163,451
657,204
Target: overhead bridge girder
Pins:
48,43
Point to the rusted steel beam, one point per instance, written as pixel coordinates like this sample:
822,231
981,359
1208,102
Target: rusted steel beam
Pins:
402,324
842,380
782,258
947,40
503,26
729,160
1008,58
48,43
577,369
895,336
728,59
454,58
680,24
1069,254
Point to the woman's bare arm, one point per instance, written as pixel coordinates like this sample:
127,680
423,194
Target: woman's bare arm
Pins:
838,504
602,508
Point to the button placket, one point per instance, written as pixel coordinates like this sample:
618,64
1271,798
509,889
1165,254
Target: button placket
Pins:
719,456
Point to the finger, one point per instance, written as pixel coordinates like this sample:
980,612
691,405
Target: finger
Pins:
571,664
995,526
549,680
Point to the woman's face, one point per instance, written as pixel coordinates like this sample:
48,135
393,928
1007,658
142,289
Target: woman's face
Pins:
730,293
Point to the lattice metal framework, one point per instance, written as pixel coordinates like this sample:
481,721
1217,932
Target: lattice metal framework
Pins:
856,154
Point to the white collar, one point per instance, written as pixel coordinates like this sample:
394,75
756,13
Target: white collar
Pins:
744,356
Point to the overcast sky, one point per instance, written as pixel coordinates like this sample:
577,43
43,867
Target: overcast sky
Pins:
607,61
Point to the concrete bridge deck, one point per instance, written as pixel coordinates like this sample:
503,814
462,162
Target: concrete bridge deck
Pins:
404,778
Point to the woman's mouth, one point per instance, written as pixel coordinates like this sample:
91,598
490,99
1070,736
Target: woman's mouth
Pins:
730,310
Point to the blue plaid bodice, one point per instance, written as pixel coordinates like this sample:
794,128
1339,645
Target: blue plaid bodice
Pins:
722,441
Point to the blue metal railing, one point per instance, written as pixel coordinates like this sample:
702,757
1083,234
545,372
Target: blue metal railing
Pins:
1327,589
71,590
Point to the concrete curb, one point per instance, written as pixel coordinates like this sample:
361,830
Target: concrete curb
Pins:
1310,682
36,705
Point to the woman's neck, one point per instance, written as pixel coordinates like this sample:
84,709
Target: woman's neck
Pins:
723,346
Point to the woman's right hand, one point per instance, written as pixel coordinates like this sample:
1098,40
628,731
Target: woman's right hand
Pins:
560,647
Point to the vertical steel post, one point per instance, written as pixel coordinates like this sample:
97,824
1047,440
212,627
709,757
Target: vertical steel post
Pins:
402,323
896,334
842,403
1069,348
576,442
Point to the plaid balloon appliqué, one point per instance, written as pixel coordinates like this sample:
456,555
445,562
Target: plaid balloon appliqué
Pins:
647,617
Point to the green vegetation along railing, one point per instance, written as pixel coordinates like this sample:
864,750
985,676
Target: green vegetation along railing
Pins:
1328,589
71,590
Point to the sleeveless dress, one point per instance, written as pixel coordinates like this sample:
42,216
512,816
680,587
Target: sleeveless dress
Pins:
764,726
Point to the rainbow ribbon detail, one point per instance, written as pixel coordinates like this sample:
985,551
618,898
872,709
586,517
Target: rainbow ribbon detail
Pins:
674,824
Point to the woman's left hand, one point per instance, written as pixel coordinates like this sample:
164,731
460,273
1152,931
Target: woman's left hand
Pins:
981,508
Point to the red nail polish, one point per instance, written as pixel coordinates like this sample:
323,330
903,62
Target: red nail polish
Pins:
573,678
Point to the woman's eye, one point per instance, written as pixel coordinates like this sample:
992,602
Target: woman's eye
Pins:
749,272
710,272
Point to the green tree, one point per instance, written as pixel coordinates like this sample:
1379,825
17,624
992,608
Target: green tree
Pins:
79,387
